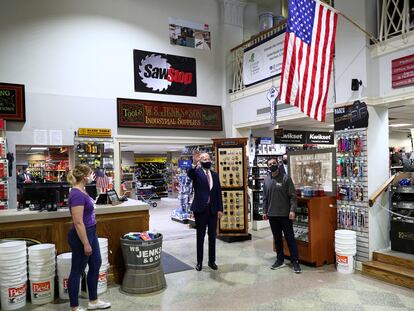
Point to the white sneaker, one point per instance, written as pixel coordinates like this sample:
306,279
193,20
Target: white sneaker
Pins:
99,305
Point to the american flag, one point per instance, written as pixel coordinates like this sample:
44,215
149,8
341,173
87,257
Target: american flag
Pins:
308,57
102,181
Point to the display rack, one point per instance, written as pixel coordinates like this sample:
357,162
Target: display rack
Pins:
314,229
352,186
4,171
402,221
260,153
152,174
231,166
98,153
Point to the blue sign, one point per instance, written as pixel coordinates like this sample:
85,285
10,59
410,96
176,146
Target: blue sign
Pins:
184,164
265,140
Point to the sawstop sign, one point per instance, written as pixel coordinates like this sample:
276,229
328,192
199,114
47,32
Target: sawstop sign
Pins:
164,73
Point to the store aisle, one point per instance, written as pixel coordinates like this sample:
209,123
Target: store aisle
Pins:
160,221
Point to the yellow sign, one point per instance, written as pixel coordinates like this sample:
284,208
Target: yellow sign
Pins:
89,132
150,159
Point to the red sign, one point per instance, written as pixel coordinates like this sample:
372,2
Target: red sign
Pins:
41,287
168,115
403,71
17,291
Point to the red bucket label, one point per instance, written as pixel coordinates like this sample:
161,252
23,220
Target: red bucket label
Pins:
65,286
342,259
17,294
41,289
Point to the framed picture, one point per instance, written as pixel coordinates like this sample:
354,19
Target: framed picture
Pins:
313,168
12,102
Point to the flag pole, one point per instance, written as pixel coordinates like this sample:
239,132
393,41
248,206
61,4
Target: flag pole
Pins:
368,34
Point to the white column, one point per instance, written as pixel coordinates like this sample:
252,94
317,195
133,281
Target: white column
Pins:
378,173
232,35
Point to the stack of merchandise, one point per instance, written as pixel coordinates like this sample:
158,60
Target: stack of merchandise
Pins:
64,263
42,269
13,276
184,193
103,271
141,236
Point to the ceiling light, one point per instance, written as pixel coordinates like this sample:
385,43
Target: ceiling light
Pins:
38,148
400,125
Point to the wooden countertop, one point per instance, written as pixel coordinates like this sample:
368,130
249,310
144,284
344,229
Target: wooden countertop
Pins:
12,215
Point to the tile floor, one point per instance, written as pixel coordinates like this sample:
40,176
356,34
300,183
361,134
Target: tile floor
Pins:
244,281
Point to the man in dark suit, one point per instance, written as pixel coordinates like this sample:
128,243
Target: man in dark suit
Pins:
207,206
26,177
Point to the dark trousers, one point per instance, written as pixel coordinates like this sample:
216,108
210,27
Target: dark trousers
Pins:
285,225
203,220
79,262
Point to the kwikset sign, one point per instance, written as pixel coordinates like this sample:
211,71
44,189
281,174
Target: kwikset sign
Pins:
305,137
164,73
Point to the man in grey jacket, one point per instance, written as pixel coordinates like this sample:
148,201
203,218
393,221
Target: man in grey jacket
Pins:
279,203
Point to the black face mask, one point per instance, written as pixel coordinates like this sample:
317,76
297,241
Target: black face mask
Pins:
274,168
206,165
284,161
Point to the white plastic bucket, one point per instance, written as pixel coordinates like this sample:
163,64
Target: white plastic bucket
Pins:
345,263
103,243
42,250
103,279
12,256
13,246
39,264
64,258
38,272
13,295
17,262
42,290
345,234
63,286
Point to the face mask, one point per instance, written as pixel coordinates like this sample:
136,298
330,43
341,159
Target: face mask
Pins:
206,165
90,178
284,161
274,168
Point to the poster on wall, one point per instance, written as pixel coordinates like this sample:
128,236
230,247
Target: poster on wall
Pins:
264,60
351,117
402,71
167,115
313,168
164,73
190,34
12,102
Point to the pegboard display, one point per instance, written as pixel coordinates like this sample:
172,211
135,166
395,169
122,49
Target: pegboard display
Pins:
231,166
233,210
352,186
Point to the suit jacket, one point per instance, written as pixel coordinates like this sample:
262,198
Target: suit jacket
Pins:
21,178
202,191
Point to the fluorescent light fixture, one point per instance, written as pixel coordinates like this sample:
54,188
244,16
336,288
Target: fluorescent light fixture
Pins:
38,148
330,125
400,125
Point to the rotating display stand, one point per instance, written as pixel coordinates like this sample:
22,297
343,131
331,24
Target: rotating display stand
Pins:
231,166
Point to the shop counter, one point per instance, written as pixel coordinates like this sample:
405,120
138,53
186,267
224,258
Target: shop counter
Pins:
52,227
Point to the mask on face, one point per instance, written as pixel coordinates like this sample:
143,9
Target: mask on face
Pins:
273,168
206,165
285,161
90,178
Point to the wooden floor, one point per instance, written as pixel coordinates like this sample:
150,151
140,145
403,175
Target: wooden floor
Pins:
392,267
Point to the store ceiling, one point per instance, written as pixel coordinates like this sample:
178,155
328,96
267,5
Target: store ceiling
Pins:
265,3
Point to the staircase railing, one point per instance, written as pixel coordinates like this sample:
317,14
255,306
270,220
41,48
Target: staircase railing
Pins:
380,190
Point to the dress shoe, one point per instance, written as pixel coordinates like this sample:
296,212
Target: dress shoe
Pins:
199,267
213,265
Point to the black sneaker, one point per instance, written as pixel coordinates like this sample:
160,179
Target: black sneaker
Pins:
277,265
296,267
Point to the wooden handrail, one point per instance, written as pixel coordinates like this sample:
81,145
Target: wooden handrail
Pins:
264,32
380,190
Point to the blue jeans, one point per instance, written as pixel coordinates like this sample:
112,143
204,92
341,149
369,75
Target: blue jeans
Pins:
79,262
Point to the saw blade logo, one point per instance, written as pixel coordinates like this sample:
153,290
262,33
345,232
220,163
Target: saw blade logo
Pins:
153,71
